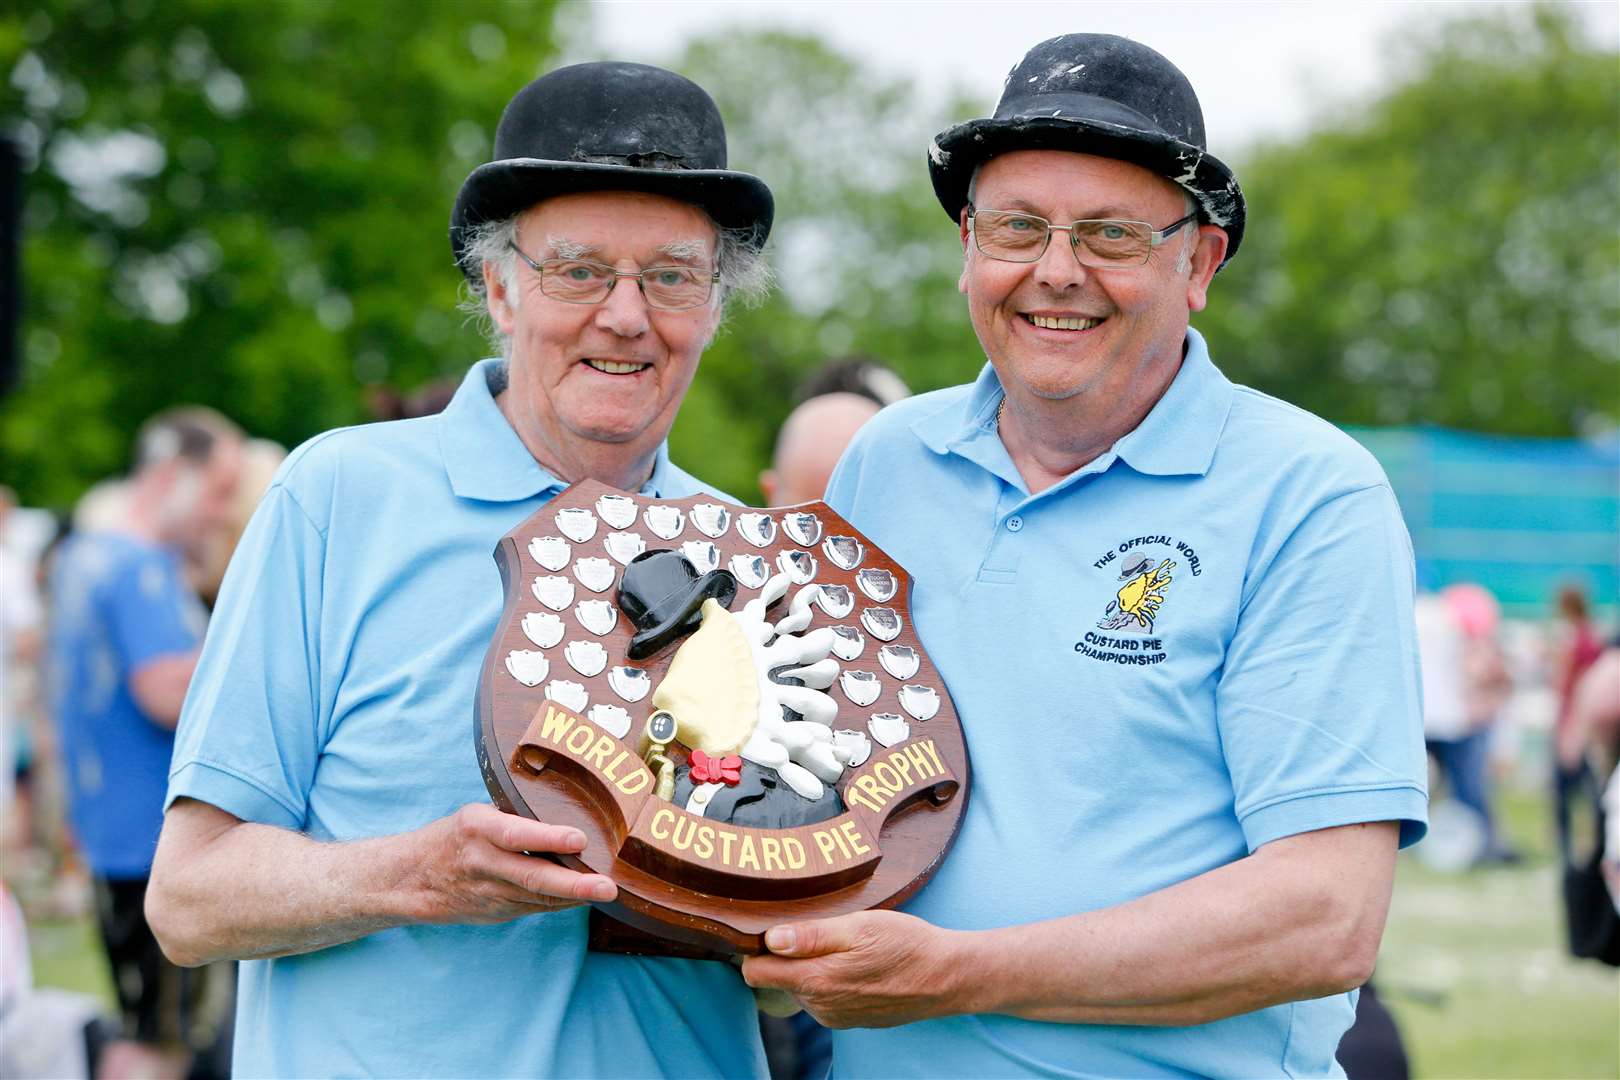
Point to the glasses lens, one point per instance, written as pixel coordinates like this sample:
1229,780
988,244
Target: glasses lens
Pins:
1013,237
675,287
574,281
1114,242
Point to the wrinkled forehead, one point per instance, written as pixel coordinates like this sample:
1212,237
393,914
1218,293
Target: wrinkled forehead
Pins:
1062,183
615,225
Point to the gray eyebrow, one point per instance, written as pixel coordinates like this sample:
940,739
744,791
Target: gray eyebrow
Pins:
564,248
688,250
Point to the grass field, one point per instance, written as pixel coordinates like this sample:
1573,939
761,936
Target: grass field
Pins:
1473,967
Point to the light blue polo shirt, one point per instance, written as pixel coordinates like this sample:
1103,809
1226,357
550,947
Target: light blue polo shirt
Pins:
335,697
1198,643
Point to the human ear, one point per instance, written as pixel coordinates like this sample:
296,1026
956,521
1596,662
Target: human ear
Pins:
1206,259
961,282
497,300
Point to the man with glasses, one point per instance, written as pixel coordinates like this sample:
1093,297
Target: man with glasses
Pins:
327,823
1175,616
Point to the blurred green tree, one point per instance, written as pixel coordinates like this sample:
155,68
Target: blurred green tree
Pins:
1448,253
866,259
243,205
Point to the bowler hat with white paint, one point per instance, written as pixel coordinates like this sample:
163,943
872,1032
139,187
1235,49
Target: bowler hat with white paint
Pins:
610,126
1096,94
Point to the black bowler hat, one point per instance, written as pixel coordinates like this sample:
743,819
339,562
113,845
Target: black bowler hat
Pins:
1096,94
610,127
661,593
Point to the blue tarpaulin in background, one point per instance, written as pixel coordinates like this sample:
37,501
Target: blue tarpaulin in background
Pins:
1519,516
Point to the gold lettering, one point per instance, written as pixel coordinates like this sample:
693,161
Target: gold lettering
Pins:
874,794
747,857
794,851
892,781
848,829
727,838
582,744
664,816
611,769
838,838
598,753
824,842
901,766
919,761
691,827
771,849
635,781
703,847
928,745
556,724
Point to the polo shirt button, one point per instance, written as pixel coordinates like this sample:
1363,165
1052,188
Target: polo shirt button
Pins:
1015,523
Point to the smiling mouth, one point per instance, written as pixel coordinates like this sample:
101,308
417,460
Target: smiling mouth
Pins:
614,367
1053,322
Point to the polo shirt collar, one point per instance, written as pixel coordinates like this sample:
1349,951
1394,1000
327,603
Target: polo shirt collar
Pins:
1177,437
484,457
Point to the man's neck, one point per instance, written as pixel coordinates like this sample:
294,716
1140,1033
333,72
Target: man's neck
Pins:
574,460
1048,440
139,518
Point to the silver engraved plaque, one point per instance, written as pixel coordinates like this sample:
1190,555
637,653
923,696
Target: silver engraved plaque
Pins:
551,552
920,701
577,523
803,529
664,522
845,552
618,511
881,622
757,529
878,584
711,519
901,661
543,628
554,592
528,667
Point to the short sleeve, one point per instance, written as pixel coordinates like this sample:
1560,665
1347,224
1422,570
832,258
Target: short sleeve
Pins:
1318,704
249,735
845,482
149,611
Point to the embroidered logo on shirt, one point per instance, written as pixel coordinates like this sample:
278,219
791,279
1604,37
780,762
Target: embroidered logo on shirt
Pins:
1147,566
1137,603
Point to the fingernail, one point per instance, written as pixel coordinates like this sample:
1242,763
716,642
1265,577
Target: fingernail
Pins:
779,939
603,890
574,841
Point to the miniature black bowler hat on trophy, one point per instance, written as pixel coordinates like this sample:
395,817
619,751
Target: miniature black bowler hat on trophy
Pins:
661,593
1096,94
610,127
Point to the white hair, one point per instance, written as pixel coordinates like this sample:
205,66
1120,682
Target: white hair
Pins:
744,275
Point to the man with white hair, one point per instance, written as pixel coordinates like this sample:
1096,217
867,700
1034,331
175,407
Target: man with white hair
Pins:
328,823
124,632
1174,614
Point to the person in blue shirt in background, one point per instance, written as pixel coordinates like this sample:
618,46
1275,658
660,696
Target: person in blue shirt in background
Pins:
327,821
124,633
1174,614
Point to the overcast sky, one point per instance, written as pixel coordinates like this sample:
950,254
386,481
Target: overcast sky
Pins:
1259,68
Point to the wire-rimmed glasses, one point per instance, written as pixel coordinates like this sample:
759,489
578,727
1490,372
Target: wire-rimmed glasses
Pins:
1012,236
584,281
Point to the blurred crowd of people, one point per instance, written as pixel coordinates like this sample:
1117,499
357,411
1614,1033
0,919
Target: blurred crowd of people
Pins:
104,612
1485,681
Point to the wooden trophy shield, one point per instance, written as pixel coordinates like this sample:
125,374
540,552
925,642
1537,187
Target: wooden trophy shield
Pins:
835,774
